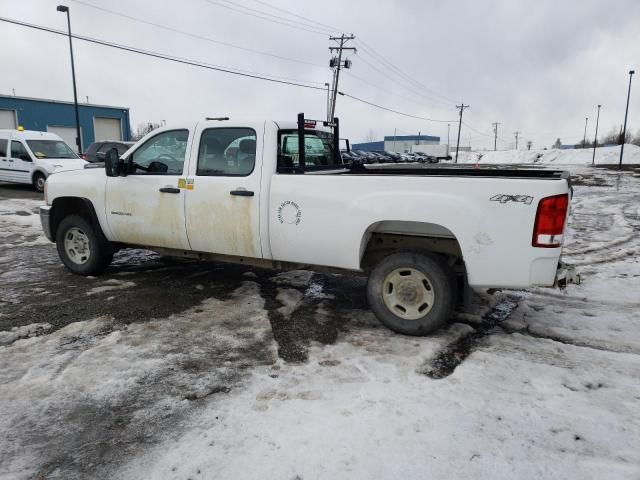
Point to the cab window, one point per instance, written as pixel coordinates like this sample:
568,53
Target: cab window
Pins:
18,151
227,152
318,147
162,154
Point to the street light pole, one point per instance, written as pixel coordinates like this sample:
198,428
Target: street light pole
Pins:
626,113
65,9
595,139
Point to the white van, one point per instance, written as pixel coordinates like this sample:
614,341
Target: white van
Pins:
28,156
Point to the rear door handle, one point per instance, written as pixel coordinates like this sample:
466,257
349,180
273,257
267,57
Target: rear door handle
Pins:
242,193
169,190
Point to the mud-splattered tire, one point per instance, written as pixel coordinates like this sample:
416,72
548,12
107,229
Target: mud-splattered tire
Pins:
411,293
82,249
38,181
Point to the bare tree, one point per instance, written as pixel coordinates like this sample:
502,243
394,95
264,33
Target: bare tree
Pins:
558,143
143,129
614,137
529,143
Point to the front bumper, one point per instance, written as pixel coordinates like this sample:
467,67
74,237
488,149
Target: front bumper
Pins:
565,275
45,220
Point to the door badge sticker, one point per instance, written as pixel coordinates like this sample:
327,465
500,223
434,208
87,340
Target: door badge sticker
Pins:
289,212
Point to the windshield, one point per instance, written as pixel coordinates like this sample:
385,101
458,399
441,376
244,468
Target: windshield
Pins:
50,149
318,147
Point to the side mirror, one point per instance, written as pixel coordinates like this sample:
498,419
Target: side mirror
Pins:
25,157
112,163
101,156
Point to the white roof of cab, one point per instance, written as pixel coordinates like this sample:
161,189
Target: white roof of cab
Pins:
28,135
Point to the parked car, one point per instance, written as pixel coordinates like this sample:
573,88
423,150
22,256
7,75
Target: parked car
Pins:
368,157
97,150
29,157
273,207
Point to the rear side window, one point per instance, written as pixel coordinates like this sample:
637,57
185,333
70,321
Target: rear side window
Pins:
3,147
318,147
227,152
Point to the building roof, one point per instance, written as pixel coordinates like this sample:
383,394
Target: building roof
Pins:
430,138
46,100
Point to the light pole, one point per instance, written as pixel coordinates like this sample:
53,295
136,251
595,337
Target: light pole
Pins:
448,142
584,140
65,9
595,139
626,113
328,100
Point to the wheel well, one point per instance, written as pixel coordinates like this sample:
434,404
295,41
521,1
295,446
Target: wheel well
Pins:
378,245
65,206
389,236
38,172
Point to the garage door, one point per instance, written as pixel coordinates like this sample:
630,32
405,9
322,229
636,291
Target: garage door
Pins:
8,119
68,134
107,129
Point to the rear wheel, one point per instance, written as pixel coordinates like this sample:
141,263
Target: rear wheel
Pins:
411,293
38,182
81,248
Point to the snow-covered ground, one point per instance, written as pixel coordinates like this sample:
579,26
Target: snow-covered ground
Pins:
604,156
214,391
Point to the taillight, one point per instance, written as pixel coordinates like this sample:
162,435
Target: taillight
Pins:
550,219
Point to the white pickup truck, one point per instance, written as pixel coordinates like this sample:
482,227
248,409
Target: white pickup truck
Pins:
277,195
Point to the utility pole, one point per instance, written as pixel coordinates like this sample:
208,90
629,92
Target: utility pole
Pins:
328,99
461,107
595,139
626,113
448,142
516,134
584,140
495,138
336,63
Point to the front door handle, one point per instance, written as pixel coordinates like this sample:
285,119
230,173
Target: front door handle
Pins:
169,190
242,193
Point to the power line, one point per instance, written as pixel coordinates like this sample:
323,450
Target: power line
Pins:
392,110
334,29
207,66
395,81
164,56
368,49
193,35
264,16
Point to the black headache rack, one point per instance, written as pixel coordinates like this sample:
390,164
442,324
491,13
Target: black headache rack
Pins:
305,124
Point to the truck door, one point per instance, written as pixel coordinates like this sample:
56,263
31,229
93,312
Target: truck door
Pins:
147,206
20,162
223,191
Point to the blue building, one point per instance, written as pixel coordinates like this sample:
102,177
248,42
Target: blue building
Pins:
97,122
397,143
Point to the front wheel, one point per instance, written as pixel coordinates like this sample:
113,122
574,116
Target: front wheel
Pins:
411,293
38,182
82,250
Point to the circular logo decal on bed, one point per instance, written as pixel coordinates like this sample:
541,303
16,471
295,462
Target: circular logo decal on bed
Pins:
289,212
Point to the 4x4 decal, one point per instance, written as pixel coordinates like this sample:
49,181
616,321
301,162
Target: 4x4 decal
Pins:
503,198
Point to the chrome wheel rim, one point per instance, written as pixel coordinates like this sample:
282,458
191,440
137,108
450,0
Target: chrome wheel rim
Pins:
40,183
76,245
408,293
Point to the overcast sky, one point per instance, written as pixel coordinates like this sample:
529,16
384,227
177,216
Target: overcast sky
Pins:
539,67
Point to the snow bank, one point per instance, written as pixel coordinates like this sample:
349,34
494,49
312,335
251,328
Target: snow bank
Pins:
604,156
